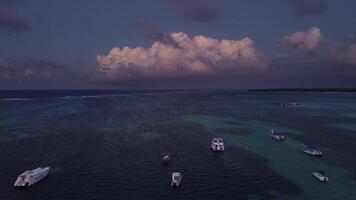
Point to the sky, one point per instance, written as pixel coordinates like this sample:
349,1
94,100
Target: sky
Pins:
177,44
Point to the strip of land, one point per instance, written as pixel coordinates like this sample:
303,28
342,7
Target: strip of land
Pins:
304,90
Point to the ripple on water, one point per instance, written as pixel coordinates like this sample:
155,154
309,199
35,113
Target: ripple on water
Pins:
288,160
346,126
149,135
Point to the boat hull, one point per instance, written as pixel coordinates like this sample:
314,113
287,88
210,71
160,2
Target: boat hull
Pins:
313,153
27,180
176,179
320,177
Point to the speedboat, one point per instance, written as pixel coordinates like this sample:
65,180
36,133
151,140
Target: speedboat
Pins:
312,150
31,177
176,179
166,159
277,136
217,144
321,176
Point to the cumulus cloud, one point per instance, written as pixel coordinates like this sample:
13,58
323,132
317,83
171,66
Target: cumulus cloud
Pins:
309,7
10,21
306,41
203,11
183,56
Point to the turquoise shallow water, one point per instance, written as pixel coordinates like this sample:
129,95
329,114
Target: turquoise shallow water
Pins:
110,146
346,126
286,158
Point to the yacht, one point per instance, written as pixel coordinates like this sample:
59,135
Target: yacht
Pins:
217,144
321,176
277,136
29,178
176,179
166,159
312,150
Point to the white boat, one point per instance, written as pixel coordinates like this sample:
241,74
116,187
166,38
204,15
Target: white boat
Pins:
217,144
166,159
312,150
289,104
321,176
29,178
176,179
277,136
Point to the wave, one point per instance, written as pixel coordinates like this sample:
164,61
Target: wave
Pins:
16,99
68,97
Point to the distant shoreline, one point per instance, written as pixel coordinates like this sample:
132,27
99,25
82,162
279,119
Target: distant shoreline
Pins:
304,90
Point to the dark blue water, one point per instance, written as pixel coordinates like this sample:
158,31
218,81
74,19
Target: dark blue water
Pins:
108,144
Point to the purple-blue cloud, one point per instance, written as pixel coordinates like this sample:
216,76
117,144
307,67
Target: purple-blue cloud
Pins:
204,11
28,69
10,21
88,22
309,7
150,30
352,38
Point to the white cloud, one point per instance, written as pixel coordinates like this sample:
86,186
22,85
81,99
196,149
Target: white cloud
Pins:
183,56
306,41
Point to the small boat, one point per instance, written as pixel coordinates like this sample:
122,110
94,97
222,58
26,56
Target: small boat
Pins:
312,150
289,104
321,176
217,144
176,179
31,177
277,136
166,159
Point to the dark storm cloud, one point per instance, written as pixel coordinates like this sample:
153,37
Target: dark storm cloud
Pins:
203,11
309,7
150,30
10,21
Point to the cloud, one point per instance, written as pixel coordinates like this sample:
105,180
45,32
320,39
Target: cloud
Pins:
352,38
336,53
184,56
10,21
150,30
87,22
309,7
28,69
203,11
306,41
350,56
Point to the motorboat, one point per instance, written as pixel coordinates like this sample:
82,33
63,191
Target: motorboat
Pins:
312,150
166,159
217,144
289,104
277,136
31,177
176,179
321,176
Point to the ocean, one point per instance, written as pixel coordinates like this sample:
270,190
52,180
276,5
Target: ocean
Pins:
108,144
